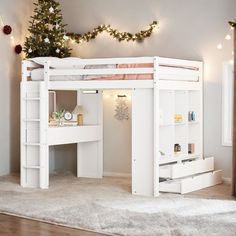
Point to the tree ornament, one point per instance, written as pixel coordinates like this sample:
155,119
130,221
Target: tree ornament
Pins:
30,50
57,26
58,50
18,49
50,26
46,40
7,29
51,9
65,37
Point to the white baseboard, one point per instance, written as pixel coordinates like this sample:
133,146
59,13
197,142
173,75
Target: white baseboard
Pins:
115,174
227,180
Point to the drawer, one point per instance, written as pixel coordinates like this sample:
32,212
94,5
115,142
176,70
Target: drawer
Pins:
187,168
193,183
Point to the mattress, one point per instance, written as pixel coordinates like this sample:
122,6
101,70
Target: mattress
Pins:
38,74
166,72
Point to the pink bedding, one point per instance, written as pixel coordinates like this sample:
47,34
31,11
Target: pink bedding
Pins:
127,77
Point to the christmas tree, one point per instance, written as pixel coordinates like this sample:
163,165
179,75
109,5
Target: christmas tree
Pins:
48,37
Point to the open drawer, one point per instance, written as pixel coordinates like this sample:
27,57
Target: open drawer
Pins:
187,168
192,183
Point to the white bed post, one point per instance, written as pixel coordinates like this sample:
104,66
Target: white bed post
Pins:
44,116
22,124
156,118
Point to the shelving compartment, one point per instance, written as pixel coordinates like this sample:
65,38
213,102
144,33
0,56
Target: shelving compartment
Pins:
195,126
166,129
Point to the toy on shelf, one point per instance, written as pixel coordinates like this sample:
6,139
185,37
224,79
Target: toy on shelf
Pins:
191,116
78,115
178,118
191,148
177,148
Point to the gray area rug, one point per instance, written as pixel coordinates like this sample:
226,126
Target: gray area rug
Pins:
107,206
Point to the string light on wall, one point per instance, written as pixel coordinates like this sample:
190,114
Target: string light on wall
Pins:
7,30
115,33
228,37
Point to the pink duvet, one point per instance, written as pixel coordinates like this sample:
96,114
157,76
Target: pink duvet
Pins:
128,77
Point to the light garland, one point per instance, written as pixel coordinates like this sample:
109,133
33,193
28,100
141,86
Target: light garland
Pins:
120,36
228,37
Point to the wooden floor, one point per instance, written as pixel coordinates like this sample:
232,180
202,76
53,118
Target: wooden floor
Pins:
15,226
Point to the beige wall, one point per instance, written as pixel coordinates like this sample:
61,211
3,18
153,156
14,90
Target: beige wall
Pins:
189,29
15,13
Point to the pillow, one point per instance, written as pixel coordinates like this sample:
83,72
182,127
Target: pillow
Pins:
41,60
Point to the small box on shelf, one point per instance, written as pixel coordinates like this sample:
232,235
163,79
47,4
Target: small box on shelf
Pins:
178,118
191,116
191,148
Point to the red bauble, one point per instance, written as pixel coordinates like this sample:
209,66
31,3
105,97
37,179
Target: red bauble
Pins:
18,49
7,29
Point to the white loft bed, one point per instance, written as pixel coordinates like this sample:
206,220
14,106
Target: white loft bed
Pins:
165,76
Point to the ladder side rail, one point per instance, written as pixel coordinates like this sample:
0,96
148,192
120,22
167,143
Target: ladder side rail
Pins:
43,129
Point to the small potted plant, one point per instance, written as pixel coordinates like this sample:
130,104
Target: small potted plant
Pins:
58,115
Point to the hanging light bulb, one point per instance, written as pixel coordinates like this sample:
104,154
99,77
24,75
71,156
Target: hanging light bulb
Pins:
227,37
219,46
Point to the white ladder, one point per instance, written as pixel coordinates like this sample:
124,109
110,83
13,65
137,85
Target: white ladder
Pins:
34,128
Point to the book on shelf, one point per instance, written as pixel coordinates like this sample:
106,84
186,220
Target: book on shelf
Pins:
64,123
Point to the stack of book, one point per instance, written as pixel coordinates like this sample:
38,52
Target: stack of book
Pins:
55,123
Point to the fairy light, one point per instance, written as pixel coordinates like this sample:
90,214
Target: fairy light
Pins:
120,36
228,37
219,46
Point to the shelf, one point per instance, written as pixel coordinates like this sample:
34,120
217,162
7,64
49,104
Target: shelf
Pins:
74,134
179,124
193,122
178,158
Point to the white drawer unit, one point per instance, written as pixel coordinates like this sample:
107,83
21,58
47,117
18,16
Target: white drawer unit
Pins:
187,168
192,183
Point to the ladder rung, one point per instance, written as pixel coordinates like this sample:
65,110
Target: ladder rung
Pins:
31,120
32,167
32,99
32,144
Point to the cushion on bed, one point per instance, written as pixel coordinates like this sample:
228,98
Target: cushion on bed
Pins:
41,60
38,75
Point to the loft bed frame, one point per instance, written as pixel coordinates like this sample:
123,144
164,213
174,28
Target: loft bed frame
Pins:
37,136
